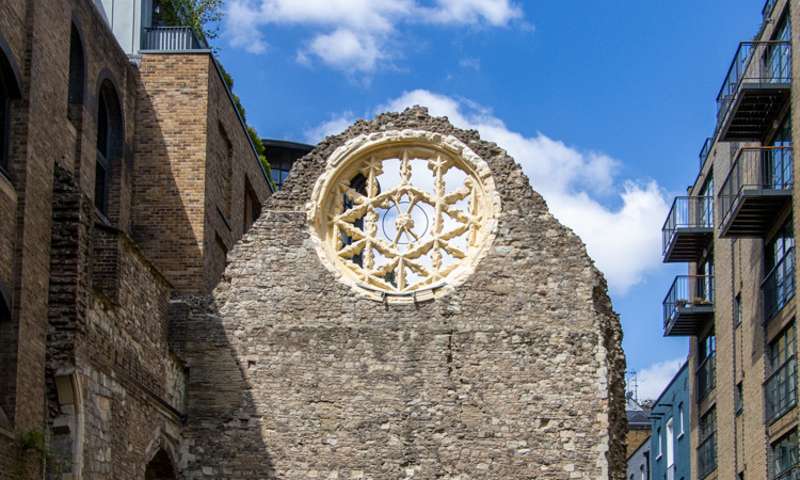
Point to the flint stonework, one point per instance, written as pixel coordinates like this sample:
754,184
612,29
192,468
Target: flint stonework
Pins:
517,373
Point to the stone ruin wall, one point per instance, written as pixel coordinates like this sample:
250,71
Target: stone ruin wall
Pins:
516,373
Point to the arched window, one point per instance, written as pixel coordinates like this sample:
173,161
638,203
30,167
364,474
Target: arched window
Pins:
160,468
76,71
109,143
5,100
9,91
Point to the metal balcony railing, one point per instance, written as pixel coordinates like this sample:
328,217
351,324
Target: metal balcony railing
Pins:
173,39
791,473
693,218
779,285
705,151
780,389
688,291
757,172
766,11
754,63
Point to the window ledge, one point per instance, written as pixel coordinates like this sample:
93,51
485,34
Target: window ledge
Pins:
680,435
658,458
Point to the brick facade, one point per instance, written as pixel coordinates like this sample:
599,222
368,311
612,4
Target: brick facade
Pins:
85,359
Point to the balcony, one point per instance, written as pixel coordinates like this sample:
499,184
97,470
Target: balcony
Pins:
778,286
758,186
688,305
689,229
791,473
172,39
766,11
754,91
705,152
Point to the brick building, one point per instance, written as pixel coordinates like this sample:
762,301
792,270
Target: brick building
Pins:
124,181
735,230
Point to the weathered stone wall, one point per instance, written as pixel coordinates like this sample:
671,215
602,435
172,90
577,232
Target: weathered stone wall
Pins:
85,358
515,374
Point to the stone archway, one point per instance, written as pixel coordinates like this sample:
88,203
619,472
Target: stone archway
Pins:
160,468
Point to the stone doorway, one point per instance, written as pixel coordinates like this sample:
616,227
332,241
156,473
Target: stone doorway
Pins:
160,468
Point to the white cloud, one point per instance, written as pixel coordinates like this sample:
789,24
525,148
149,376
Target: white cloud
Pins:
623,241
494,12
653,379
335,125
344,49
353,35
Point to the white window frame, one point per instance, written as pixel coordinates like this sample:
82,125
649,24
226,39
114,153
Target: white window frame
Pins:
681,420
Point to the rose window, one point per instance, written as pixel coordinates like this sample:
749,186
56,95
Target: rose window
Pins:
402,216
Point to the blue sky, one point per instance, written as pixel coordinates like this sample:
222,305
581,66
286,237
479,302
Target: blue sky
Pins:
605,105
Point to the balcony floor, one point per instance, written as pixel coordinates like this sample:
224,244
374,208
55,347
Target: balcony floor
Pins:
754,212
687,244
687,321
754,108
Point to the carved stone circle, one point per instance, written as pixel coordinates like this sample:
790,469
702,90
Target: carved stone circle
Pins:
405,215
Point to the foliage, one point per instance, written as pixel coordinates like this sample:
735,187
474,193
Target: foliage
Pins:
202,15
33,440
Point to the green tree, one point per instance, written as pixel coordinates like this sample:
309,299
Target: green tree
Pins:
203,16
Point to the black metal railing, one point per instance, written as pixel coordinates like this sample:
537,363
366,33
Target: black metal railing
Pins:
766,11
172,39
756,63
687,212
705,151
789,473
707,456
688,291
780,389
757,168
779,285
706,377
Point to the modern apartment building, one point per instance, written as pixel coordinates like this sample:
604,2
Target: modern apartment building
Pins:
735,229
670,450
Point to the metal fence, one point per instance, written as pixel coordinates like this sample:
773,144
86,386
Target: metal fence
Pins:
687,212
758,63
172,39
688,291
758,168
705,151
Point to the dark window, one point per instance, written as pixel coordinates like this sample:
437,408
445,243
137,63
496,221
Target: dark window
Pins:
76,69
707,449
109,144
738,399
252,207
777,161
5,102
784,457
781,385
707,369
779,283
737,310
280,168
9,91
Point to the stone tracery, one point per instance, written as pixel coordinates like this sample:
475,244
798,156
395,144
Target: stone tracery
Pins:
404,217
